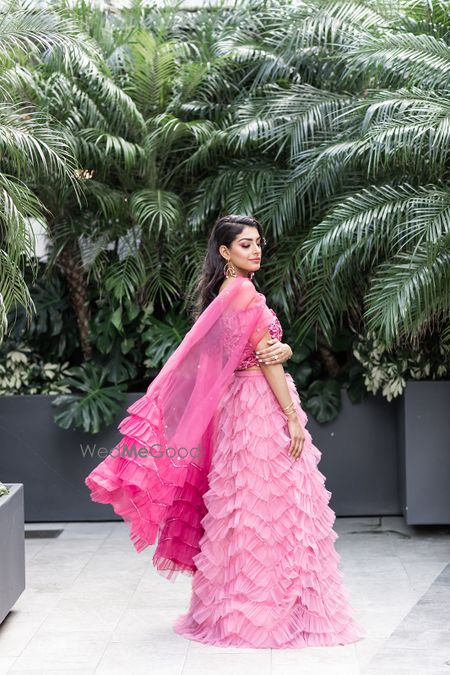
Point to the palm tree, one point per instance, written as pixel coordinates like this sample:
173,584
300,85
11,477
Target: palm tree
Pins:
341,145
127,240
126,237
303,114
35,148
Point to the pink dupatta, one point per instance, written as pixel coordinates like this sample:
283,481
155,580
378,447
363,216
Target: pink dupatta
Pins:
156,476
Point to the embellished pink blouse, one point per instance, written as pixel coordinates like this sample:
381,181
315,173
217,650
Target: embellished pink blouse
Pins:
249,357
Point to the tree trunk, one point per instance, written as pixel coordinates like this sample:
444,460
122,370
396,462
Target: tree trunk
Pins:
327,357
70,263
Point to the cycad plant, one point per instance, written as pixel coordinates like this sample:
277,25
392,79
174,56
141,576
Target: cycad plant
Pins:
341,146
123,251
365,134
35,148
326,120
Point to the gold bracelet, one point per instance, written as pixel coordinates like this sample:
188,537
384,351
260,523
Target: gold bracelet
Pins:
289,406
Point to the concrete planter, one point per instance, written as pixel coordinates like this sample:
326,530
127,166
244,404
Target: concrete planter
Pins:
12,540
359,459
49,461
424,433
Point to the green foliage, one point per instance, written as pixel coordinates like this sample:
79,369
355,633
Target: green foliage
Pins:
326,119
93,403
323,399
124,278
23,371
33,145
161,338
51,329
386,371
320,393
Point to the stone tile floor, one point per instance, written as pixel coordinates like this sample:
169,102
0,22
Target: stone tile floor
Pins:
94,605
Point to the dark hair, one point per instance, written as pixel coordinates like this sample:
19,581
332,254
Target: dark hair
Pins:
224,231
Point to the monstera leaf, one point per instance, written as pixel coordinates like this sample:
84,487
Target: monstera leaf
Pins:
356,388
161,338
301,373
93,403
323,400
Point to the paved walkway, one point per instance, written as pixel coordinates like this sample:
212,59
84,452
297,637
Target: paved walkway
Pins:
94,605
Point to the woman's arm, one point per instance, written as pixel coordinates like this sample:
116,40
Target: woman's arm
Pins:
276,352
275,375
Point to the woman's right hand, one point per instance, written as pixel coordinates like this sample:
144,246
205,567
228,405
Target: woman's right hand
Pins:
297,435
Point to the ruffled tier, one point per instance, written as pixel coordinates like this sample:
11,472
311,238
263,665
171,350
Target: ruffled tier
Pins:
146,492
267,571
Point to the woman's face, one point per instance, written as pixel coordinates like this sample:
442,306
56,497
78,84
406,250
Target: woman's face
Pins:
245,251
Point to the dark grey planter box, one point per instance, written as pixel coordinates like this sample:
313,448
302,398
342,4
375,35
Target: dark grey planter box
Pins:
424,432
49,461
12,542
359,459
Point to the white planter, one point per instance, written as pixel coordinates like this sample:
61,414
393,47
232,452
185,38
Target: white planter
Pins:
12,548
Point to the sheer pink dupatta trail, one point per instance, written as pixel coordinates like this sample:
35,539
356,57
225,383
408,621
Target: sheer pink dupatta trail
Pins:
155,477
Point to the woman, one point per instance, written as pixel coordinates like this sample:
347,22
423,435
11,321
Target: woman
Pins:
248,514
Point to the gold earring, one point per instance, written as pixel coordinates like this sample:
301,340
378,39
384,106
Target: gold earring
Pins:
229,270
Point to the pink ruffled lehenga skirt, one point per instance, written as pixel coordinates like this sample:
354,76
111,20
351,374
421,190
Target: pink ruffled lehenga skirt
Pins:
267,571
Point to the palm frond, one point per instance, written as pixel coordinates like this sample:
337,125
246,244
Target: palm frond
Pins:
154,65
431,17
163,282
398,59
379,220
410,291
13,289
156,211
27,139
125,277
95,402
113,147
26,28
293,119
236,187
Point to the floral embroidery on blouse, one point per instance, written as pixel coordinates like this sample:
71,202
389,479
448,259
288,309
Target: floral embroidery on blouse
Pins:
249,357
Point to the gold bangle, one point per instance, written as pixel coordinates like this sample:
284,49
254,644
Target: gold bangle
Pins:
289,406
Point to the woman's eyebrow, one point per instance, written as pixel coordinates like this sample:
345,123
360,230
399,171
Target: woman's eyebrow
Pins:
249,238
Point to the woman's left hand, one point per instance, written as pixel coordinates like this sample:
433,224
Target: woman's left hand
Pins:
277,352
